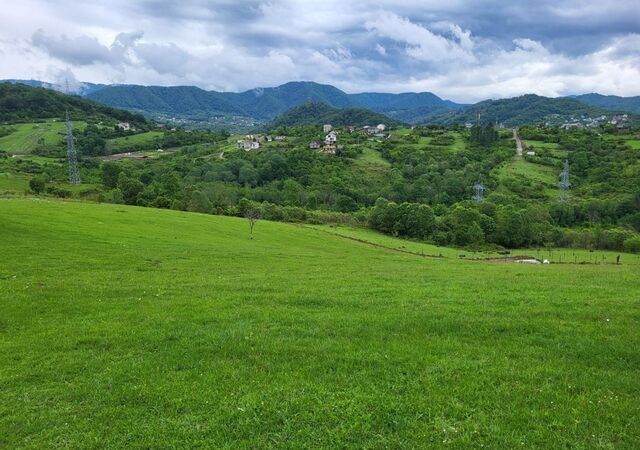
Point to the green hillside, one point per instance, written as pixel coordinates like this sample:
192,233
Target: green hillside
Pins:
19,102
320,113
168,329
526,109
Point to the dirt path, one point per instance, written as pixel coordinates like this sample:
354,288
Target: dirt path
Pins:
518,143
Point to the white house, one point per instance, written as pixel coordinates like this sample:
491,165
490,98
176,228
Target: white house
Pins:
314,145
381,127
125,126
326,128
246,144
331,138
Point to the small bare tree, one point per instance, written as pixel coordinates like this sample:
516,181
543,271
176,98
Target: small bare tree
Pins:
252,215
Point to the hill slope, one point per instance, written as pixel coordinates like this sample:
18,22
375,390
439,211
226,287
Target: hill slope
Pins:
162,328
526,109
22,102
611,102
320,113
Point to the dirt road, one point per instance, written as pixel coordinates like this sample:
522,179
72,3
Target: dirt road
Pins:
518,143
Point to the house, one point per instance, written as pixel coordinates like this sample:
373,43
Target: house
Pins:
531,153
268,138
124,126
381,127
326,128
329,149
370,130
247,144
380,135
314,145
331,138
351,128
280,138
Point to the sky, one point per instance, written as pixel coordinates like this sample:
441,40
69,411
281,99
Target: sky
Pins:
463,50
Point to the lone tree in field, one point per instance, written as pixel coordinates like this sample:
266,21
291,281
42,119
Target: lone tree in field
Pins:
251,212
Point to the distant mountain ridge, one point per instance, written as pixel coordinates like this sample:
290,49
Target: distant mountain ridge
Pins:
611,102
265,104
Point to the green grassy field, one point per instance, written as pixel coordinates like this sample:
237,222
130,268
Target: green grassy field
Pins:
13,184
135,327
554,255
540,144
371,157
125,142
28,136
518,167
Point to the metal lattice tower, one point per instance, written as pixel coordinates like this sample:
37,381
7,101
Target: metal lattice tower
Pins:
565,183
479,191
72,158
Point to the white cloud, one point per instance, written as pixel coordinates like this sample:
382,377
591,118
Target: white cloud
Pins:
456,49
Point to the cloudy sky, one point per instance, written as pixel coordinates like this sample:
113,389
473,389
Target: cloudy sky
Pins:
464,50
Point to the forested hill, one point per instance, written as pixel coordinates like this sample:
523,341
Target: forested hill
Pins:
174,100
267,103
310,113
526,109
19,102
611,102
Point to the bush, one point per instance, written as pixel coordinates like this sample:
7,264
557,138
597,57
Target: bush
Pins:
632,245
37,185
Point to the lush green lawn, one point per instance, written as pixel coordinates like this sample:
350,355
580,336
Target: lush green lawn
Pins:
28,136
135,327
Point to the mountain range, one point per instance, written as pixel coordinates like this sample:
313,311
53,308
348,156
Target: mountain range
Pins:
190,104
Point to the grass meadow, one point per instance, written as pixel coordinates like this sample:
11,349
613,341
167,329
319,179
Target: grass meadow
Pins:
29,136
135,327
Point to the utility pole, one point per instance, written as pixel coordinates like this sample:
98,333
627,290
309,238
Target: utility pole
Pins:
72,157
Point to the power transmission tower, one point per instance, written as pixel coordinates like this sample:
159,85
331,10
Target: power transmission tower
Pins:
565,183
479,191
72,158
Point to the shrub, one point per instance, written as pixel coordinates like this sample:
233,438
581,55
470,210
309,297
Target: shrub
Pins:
632,245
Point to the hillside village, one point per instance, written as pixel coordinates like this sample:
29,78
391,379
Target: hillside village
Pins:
330,143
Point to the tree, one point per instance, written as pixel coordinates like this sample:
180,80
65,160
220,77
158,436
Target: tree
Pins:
130,188
200,203
110,173
37,185
249,211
